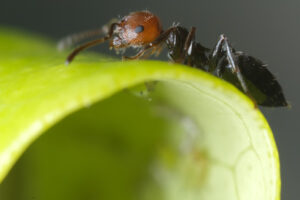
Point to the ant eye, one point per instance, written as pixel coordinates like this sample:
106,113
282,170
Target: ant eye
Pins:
139,29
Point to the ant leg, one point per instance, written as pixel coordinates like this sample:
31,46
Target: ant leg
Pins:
234,68
90,44
137,56
189,40
188,46
156,43
144,53
223,46
219,68
158,49
217,49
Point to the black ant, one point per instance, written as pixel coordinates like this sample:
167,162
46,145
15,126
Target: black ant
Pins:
143,30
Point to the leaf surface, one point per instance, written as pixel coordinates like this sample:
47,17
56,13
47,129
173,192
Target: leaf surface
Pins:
130,130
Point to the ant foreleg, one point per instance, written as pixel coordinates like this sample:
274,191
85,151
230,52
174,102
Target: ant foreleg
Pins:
155,44
137,56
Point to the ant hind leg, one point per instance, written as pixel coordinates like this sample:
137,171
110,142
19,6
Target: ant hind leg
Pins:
234,68
223,48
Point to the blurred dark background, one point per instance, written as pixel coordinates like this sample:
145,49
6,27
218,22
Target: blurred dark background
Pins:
269,30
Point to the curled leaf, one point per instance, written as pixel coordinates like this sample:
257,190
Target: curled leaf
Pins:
132,130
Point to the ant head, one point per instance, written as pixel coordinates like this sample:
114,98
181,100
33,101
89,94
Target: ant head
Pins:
136,29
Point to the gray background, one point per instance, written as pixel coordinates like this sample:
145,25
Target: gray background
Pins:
269,30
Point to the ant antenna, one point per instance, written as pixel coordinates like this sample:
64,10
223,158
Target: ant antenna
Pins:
71,40
75,38
85,46
90,44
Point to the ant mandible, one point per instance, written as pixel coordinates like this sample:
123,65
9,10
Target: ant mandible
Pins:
143,30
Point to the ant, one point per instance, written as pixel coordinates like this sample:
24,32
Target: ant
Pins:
143,30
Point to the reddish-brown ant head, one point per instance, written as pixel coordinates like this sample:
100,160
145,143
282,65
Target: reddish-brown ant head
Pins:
136,29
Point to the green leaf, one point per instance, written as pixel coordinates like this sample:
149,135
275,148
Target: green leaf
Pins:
105,129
